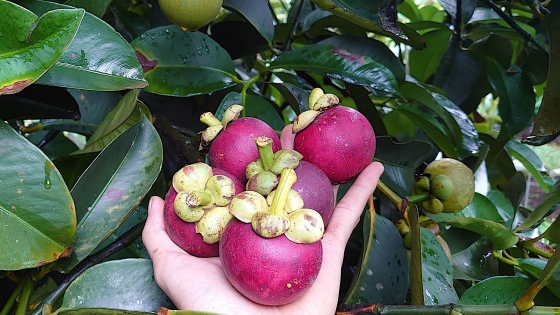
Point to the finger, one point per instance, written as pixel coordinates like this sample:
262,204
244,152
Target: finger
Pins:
287,138
154,236
348,211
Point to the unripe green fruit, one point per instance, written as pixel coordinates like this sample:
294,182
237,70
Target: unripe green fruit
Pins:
422,185
190,15
441,187
433,205
463,182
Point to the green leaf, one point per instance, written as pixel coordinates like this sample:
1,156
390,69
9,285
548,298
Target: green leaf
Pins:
294,95
126,284
503,206
93,105
127,113
534,268
516,98
97,59
338,63
437,272
496,290
480,207
500,236
36,210
382,276
39,102
547,206
97,8
530,160
255,12
552,233
475,263
424,62
113,185
31,45
255,106
179,63
431,127
378,16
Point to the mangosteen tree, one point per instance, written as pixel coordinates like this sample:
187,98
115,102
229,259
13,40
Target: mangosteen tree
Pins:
103,103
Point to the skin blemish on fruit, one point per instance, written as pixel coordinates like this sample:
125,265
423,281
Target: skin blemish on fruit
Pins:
15,87
348,55
147,65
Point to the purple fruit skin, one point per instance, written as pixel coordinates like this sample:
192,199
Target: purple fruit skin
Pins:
340,141
272,271
182,233
234,148
315,189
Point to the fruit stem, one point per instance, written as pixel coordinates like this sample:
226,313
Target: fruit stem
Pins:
246,85
287,179
264,145
209,119
393,197
418,198
198,198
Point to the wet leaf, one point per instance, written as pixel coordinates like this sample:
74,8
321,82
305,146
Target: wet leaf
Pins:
128,284
546,207
382,275
257,13
437,272
36,210
534,268
113,185
179,63
500,290
97,59
294,95
338,63
480,207
500,236
475,263
31,45
96,8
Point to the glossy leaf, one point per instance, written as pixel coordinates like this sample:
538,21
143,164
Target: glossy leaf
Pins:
39,102
375,15
255,106
437,272
503,206
338,63
226,34
431,127
96,8
128,284
551,273
547,206
480,207
179,63
36,210
500,236
424,62
256,12
476,262
546,122
383,274
496,290
31,45
466,8
113,185
97,59
294,95
93,107
530,160
513,187
517,98
534,267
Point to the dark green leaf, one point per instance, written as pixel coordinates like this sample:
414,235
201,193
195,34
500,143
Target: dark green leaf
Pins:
467,8
496,290
534,268
93,105
547,206
39,101
480,207
399,126
228,35
504,207
179,63
72,166
36,210
437,272
375,15
113,185
475,263
256,12
295,96
500,236
552,233
126,284
31,45
493,46
255,107
338,63
96,8
517,98
424,62
371,284
530,160
97,59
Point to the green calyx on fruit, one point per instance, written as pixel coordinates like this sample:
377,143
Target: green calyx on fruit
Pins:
283,216
441,187
318,102
433,205
461,182
215,126
262,174
402,227
201,199
190,15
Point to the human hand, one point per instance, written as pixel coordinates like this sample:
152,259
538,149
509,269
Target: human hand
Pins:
194,283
